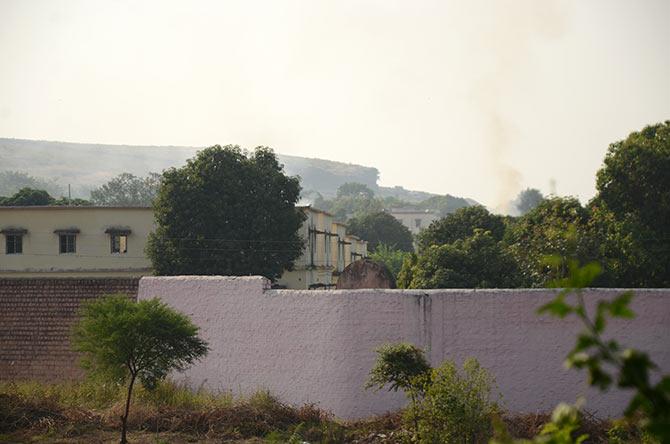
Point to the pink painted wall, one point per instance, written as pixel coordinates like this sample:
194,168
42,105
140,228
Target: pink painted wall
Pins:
318,346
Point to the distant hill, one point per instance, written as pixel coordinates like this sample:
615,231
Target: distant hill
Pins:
85,166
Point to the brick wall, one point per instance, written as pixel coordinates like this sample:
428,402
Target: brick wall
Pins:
36,316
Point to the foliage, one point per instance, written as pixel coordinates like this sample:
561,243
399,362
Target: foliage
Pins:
28,197
634,179
353,200
381,228
457,405
634,200
444,205
354,189
562,428
401,366
461,225
122,340
393,258
227,212
607,362
557,226
527,200
478,261
397,367
127,190
12,181
33,197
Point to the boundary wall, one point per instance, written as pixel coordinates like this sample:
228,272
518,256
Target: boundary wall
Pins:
318,346
36,317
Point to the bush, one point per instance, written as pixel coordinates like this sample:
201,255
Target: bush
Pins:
457,406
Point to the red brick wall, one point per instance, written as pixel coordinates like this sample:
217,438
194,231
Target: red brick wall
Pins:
36,317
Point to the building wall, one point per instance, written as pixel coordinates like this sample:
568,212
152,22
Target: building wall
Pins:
318,346
93,255
410,218
315,266
36,317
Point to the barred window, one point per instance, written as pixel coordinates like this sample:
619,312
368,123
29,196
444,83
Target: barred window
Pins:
13,244
68,243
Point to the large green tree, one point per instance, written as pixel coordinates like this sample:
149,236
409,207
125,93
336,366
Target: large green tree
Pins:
556,227
127,190
477,261
633,206
227,212
381,228
460,225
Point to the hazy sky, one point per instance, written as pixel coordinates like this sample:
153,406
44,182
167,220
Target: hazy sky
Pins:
472,98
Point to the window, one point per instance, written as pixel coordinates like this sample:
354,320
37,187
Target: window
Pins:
119,243
417,223
13,243
68,243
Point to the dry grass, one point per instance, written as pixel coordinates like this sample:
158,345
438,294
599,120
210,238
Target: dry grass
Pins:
89,412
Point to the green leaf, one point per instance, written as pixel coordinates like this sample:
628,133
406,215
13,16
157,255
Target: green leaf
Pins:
557,307
619,307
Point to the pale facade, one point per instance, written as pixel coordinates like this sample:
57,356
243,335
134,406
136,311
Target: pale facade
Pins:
415,220
74,241
110,242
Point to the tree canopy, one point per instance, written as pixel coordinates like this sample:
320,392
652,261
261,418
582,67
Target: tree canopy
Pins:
460,225
477,261
122,340
632,207
127,190
527,200
227,212
556,227
33,197
381,228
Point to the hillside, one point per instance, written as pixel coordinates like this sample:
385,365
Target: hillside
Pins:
85,166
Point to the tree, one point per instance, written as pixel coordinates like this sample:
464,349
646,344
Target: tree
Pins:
461,225
33,197
400,366
393,258
556,227
478,261
527,200
350,189
123,340
634,186
127,190
381,228
227,212
29,197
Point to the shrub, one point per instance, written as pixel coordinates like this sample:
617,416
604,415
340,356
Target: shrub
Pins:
457,405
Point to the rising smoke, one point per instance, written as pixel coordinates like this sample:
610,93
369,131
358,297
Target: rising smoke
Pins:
508,33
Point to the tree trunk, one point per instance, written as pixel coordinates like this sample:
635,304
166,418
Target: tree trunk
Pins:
124,418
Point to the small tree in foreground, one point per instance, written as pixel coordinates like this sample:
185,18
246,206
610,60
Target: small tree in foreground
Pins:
400,366
123,340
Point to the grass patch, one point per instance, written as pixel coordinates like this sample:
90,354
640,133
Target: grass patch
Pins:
89,412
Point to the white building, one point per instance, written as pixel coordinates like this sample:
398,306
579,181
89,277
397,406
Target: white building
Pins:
415,220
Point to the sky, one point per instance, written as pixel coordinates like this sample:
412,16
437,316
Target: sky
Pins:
472,98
